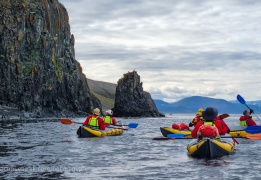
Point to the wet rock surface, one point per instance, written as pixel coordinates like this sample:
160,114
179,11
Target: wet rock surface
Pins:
131,100
38,70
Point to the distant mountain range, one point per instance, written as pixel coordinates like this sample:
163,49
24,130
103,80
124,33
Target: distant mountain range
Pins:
105,92
192,104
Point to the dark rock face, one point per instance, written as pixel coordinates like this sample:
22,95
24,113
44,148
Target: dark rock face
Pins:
131,100
38,70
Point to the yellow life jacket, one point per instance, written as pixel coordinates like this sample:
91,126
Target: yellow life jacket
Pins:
243,123
108,119
209,123
94,122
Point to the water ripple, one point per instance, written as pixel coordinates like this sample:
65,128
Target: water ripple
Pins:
51,150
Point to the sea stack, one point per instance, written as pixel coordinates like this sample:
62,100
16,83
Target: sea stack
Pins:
131,100
38,70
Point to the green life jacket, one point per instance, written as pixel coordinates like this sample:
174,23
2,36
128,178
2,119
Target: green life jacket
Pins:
94,122
209,123
108,119
243,123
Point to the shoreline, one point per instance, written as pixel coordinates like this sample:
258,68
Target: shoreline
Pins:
10,113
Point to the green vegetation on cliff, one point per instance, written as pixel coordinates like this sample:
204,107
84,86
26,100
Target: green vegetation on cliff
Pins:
104,91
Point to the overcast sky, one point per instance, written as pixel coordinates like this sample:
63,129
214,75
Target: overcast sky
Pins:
180,48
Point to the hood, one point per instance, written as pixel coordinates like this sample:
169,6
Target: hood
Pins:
199,114
243,118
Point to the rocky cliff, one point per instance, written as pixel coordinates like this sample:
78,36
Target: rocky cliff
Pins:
38,70
131,100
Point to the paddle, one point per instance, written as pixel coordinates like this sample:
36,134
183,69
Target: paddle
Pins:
250,129
131,125
242,101
185,138
68,121
223,116
253,128
250,136
253,136
164,138
174,136
235,140
180,135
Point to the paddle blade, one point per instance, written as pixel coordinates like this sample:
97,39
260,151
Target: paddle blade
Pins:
133,125
66,121
254,131
253,136
240,99
223,116
253,128
176,135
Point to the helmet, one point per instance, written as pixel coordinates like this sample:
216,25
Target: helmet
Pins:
110,112
199,114
97,111
200,110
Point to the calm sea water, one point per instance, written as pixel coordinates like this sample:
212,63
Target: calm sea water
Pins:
51,150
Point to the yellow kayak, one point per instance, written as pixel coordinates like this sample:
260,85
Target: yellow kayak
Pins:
87,132
165,131
210,148
238,133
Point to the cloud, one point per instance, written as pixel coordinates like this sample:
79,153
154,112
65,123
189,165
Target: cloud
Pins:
180,48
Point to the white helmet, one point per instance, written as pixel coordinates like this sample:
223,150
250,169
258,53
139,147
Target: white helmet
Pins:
110,112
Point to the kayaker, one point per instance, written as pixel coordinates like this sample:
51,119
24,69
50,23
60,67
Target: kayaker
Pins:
247,120
94,120
208,119
197,118
224,125
108,119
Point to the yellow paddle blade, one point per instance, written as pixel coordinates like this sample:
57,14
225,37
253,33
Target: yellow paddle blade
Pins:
253,136
66,121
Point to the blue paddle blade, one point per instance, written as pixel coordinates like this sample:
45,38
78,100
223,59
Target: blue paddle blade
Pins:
175,135
252,128
133,125
254,131
240,99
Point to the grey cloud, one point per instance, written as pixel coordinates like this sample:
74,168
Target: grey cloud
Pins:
165,58
186,43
